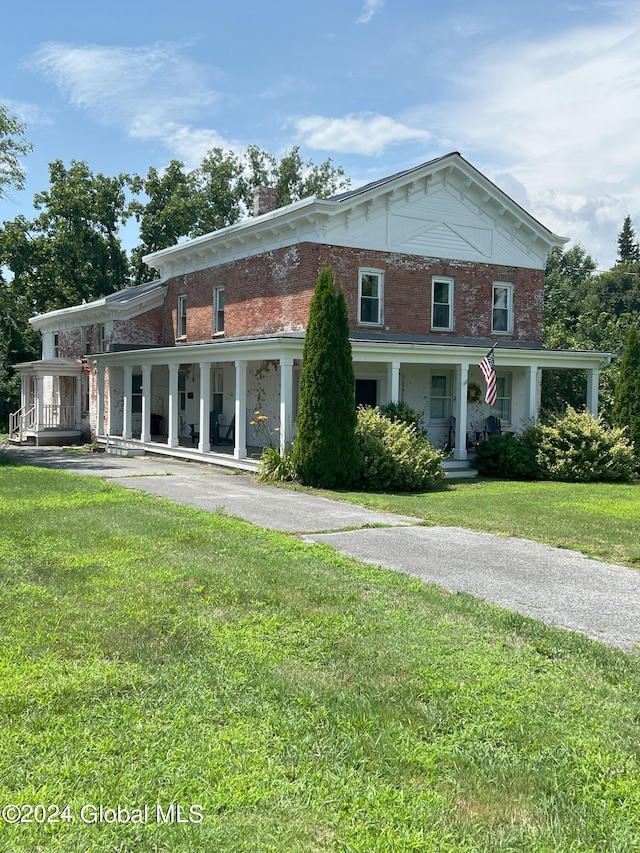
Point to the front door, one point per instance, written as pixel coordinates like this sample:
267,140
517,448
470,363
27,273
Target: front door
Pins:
366,392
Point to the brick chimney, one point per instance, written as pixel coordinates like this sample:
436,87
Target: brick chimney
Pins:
264,200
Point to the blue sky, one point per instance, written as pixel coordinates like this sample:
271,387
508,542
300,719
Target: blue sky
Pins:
543,98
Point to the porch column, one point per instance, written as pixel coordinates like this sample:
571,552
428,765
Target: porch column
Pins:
38,391
145,432
100,400
593,380
127,370
460,411
77,413
240,449
24,391
286,403
393,381
172,437
531,394
205,406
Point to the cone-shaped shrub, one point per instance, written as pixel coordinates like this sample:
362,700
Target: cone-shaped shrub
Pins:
324,451
626,404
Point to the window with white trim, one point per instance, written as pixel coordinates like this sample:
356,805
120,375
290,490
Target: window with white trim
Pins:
217,394
370,297
502,407
182,317
101,338
86,340
442,303
502,314
218,310
182,391
56,345
441,397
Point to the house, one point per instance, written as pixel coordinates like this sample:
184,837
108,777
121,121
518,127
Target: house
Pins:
438,265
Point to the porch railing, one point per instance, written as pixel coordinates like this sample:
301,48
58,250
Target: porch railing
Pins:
53,417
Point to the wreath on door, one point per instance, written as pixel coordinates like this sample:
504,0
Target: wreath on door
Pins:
474,393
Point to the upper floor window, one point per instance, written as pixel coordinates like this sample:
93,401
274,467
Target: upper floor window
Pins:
218,310
442,304
182,317
101,338
502,316
86,340
370,296
56,345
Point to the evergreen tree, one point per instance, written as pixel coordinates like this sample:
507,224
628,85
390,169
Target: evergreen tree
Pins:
626,404
325,453
628,249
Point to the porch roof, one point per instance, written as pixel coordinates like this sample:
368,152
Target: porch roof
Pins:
413,351
50,367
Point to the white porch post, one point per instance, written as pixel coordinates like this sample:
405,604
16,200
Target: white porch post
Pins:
205,406
393,381
146,403
531,392
99,400
286,402
172,437
126,401
77,413
38,390
593,380
240,449
460,410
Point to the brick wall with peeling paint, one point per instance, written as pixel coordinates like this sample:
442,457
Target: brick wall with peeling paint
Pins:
272,292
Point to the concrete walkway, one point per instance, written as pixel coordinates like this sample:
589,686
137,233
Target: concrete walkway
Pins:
559,587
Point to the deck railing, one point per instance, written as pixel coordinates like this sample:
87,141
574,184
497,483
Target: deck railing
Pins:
53,417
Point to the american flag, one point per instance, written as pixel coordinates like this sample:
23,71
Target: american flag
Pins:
488,368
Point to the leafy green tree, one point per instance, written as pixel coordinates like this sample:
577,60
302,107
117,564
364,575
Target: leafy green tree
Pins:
13,146
628,249
71,252
324,452
626,404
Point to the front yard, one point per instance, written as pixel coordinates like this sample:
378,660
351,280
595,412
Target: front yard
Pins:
294,700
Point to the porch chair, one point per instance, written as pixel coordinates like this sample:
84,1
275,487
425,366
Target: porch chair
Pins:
493,426
451,438
230,435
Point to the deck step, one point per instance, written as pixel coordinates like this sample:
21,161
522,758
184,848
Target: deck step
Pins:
459,468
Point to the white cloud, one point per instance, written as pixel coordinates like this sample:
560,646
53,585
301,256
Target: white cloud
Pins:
562,117
363,133
151,92
370,8
26,112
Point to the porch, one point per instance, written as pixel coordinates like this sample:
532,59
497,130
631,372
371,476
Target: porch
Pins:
50,410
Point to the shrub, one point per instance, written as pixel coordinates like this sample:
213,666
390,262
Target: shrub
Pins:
276,467
512,457
395,456
626,404
400,412
579,448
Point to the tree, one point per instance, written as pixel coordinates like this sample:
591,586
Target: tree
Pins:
626,404
13,146
628,249
71,252
325,453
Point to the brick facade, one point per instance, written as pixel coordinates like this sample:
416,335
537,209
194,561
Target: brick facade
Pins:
272,292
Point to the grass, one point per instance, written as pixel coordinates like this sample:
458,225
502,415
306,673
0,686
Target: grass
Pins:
152,653
598,519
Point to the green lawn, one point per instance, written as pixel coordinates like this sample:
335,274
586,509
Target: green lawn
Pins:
151,653
599,519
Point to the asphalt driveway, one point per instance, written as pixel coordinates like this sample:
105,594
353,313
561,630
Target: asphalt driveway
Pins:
559,587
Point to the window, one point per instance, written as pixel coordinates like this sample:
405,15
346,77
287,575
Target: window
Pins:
56,345
182,391
216,398
101,338
86,340
218,310
136,393
440,397
502,320
182,317
442,304
370,297
502,408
